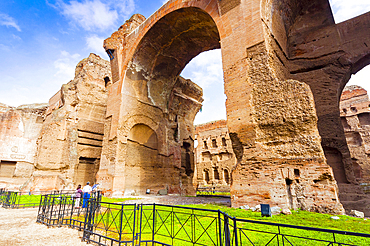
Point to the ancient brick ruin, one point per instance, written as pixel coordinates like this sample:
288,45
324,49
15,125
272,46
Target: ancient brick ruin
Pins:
275,112
19,130
355,116
285,64
59,145
214,156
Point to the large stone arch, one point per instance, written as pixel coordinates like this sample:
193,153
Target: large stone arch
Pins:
275,111
138,73
307,45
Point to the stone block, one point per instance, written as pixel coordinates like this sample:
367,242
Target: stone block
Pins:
162,192
357,214
275,210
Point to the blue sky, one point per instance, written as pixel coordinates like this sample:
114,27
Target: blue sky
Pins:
41,42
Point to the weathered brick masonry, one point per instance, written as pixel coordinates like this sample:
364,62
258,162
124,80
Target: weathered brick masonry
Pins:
214,156
57,146
285,64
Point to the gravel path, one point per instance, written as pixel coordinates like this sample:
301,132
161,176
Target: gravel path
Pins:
19,227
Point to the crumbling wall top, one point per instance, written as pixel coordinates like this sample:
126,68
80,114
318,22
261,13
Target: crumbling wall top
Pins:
210,126
352,91
115,41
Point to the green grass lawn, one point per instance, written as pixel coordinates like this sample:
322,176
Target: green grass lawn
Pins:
182,226
28,200
119,200
34,200
299,217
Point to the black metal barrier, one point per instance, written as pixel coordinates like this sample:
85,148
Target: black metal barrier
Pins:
105,223
25,199
61,209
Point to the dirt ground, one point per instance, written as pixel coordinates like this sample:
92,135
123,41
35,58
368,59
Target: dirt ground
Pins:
19,227
178,200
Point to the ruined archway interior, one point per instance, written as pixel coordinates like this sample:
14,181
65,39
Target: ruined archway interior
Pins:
354,107
213,148
167,98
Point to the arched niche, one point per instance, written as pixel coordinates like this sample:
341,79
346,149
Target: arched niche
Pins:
142,169
143,135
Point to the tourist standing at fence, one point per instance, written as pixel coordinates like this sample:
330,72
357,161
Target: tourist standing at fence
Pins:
87,191
95,187
78,196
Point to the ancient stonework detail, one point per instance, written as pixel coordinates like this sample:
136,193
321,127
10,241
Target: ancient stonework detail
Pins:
355,117
19,129
227,5
154,97
74,122
129,125
273,115
58,145
214,156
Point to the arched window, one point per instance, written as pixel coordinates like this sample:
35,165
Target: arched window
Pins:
214,143
224,142
216,175
226,176
206,175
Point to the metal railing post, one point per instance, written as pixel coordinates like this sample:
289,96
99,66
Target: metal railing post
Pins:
226,230
235,232
219,228
89,220
141,223
120,226
282,236
134,227
192,218
172,225
61,210
52,208
154,217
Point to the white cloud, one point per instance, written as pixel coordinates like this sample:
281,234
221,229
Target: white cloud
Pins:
66,66
125,7
6,20
206,71
16,37
347,9
95,44
95,14
361,78
4,47
90,14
